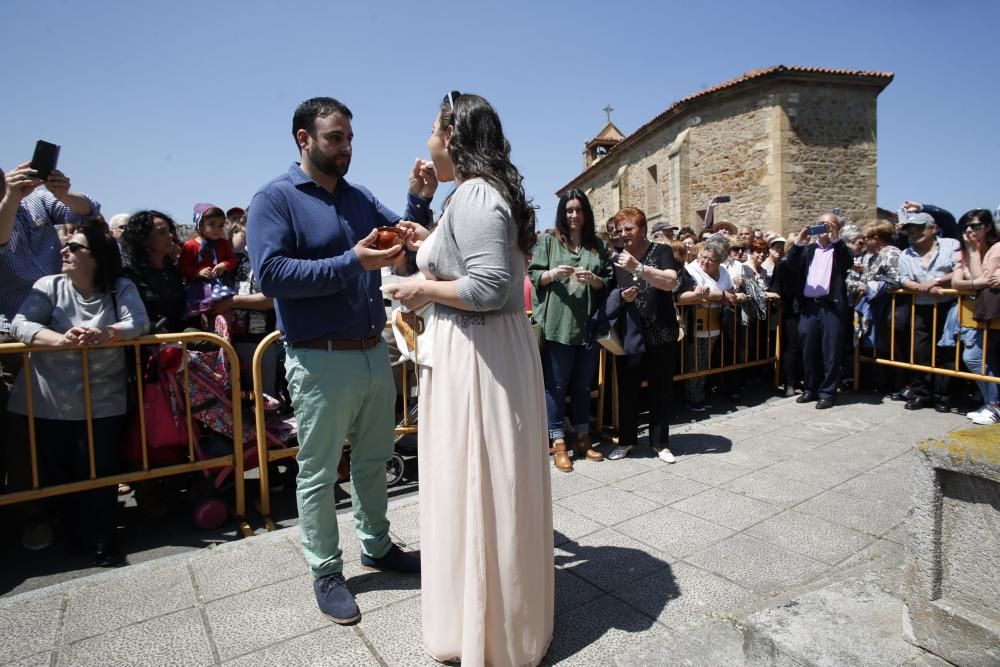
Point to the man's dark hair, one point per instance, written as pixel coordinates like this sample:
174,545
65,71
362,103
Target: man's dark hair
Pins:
313,108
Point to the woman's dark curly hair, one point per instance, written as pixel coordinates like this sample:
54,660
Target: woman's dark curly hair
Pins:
478,149
137,231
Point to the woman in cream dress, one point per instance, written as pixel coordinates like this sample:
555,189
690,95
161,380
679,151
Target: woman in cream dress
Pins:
485,496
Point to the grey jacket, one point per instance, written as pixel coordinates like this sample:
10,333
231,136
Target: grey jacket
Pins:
57,377
476,245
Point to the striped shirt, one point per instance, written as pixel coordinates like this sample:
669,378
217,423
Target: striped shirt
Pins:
33,249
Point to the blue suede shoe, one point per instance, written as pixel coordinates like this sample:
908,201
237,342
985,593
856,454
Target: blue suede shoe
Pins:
335,601
395,560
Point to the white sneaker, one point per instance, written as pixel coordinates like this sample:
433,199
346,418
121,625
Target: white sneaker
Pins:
666,456
976,413
986,417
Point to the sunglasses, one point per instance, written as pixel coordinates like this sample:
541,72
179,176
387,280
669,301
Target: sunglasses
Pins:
75,247
451,99
974,226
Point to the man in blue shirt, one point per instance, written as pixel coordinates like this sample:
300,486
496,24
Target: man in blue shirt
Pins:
310,234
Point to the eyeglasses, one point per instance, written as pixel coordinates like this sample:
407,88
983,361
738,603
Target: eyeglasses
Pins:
974,226
75,247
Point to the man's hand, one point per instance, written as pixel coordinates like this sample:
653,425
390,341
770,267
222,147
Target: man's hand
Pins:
413,234
372,259
58,184
21,181
629,295
912,206
803,237
423,180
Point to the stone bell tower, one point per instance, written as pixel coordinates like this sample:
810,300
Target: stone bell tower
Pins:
605,140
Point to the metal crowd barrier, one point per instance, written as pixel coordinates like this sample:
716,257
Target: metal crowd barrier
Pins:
268,455
193,464
732,357
907,359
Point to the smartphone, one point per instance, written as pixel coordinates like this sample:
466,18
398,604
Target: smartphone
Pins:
723,199
836,212
45,158
816,230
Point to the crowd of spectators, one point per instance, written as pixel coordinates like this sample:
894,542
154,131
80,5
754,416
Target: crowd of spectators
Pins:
680,300
71,280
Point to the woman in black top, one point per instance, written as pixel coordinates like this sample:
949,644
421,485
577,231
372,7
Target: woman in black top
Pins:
645,277
149,243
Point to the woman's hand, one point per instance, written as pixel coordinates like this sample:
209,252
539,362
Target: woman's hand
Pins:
413,234
219,269
206,273
410,293
423,180
561,272
626,261
588,278
629,295
78,336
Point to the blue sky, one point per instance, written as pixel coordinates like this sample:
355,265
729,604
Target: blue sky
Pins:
161,105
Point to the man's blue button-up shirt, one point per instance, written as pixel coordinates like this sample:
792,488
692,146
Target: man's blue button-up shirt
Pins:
301,241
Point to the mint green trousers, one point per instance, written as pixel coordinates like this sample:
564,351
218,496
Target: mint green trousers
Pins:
336,396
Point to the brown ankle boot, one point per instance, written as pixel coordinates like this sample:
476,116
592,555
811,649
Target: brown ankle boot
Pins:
561,457
583,448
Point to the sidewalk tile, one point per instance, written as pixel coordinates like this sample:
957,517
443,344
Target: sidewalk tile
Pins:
893,491
673,532
841,455
609,559
611,471
264,616
404,523
826,476
810,536
175,639
29,627
756,565
130,596
374,589
809,432
660,486
862,514
608,505
708,469
37,660
787,445
572,524
395,634
332,645
222,572
572,591
568,484
683,595
726,508
597,632
764,486
901,467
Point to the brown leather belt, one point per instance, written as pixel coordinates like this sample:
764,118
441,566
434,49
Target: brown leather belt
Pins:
331,344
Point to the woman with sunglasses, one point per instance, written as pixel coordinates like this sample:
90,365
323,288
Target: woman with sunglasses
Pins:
485,496
570,271
980,262
88,304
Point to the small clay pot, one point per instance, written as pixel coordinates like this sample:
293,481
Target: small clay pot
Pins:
387,238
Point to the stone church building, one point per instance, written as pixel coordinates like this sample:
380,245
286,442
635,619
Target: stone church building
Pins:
786,143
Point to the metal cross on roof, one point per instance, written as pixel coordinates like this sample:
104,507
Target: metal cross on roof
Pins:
608,109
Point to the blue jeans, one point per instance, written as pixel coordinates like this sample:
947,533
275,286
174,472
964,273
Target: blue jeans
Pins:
972,355
567,369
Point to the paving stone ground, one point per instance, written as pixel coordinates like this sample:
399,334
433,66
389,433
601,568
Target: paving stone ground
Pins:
759,503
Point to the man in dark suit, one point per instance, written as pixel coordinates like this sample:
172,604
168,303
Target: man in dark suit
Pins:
823,266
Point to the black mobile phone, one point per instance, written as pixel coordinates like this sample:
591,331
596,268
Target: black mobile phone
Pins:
816,230
723,199
45,159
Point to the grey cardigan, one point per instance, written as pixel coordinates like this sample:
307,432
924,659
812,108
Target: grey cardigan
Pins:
476,246
57,377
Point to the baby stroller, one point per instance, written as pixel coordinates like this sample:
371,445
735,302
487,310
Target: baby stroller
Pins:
212,423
